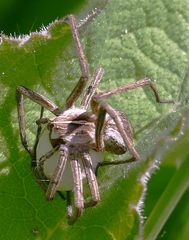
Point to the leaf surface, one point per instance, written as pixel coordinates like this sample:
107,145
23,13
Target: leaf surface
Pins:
130,40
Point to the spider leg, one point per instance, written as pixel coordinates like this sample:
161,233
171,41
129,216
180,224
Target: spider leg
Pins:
77,91
113,163
90,91
107,108
91,178
131,86
99,129
61,195
37,98
39,128
55,180
40,178
78,186
46,156
38,169
71,214
104,108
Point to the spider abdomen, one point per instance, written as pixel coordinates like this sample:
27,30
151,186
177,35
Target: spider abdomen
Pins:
113,140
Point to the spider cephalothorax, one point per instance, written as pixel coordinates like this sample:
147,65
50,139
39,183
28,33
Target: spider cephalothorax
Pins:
76,127
69,146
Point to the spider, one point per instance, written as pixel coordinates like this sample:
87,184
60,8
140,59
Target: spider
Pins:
67,148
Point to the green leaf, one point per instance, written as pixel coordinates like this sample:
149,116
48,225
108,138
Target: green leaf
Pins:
177,154
130,40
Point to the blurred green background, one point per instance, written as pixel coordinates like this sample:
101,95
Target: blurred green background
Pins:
21,16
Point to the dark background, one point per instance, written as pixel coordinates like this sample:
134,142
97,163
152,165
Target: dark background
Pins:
23,16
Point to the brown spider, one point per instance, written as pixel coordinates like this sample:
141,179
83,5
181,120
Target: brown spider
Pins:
69,145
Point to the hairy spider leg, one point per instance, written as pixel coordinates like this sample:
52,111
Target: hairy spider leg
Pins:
40,178
90,91
69,208
110,163
107,108
131,86
99,138
46,156
58,172
38,170
78,184
91,179
71,215
39,128
77,91
37,98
